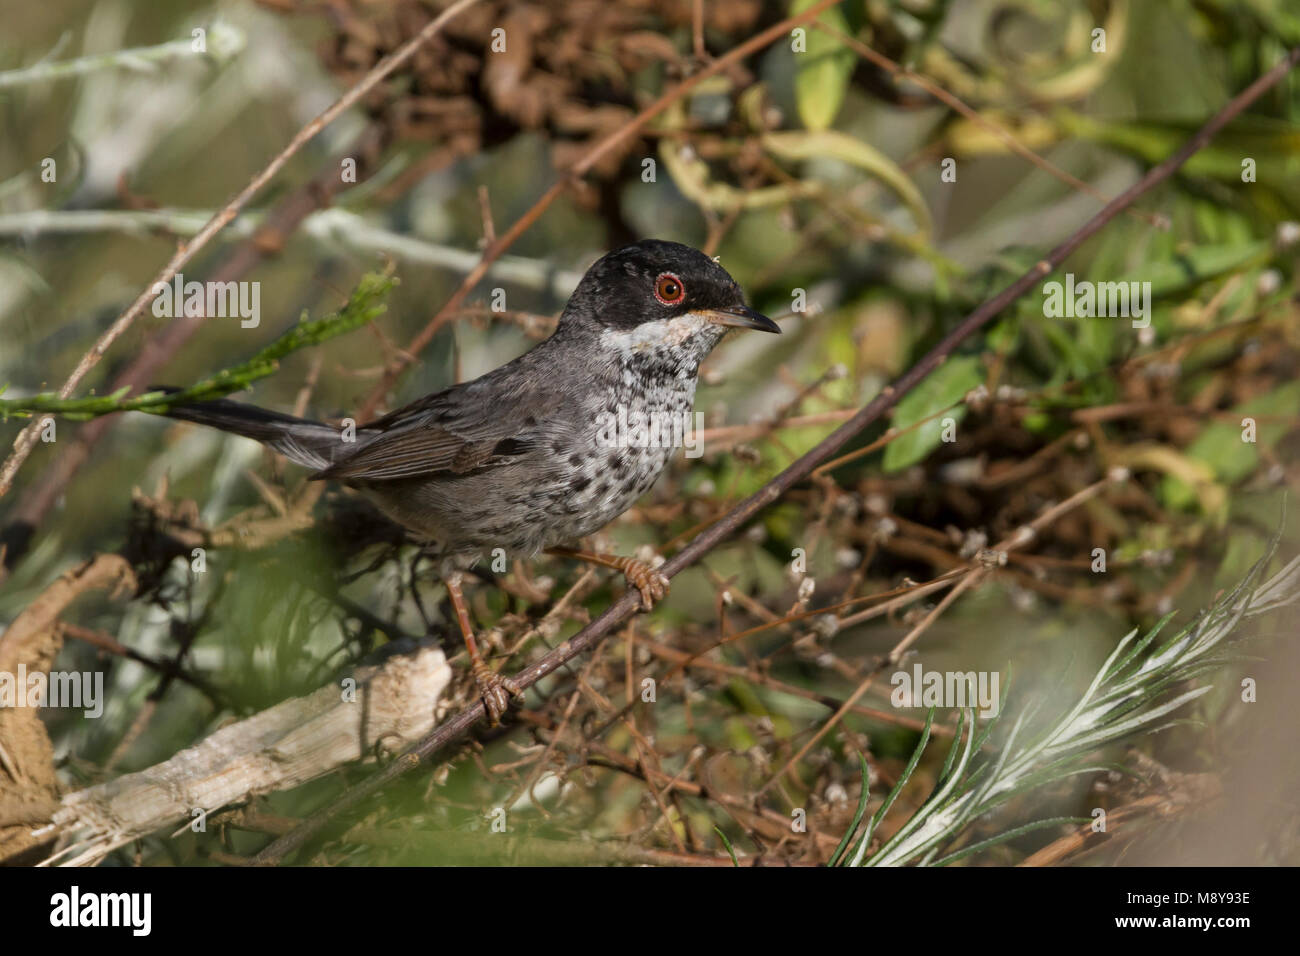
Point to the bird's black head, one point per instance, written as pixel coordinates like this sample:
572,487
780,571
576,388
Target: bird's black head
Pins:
655,293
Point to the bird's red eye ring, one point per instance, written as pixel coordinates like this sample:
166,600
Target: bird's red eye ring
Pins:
669,289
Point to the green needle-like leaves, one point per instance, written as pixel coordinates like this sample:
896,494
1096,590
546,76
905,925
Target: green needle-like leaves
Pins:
364,305
1127,696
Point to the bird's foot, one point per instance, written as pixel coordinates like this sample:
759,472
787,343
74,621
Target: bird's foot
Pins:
642,576
495,690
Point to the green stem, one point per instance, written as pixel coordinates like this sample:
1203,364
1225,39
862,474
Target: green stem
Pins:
365,304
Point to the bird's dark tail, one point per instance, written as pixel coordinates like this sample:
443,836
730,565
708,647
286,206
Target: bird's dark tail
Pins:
308,443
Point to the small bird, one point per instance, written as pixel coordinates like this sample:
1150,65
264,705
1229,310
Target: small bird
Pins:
523,457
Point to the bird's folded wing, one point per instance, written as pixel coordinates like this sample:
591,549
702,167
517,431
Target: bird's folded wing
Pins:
426,451
455,434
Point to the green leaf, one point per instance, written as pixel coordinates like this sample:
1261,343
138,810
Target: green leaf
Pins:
1187,268
943,389
857,817
1010,835
822,69
864,841
832,144
727,843
1221,447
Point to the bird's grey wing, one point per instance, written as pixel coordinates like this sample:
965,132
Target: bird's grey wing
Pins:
454,432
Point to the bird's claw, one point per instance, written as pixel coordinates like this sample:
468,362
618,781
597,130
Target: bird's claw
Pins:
495,690
652,585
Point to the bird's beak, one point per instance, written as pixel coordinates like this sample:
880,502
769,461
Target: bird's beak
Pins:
741,317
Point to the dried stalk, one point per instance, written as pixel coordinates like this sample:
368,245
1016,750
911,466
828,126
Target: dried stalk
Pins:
295,741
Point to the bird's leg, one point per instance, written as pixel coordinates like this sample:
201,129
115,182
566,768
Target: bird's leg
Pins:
415,587
492,687
638,574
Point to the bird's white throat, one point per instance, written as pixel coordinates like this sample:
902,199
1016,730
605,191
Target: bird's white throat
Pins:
662,334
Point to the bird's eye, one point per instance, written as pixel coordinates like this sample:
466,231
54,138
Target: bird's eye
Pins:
669,289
